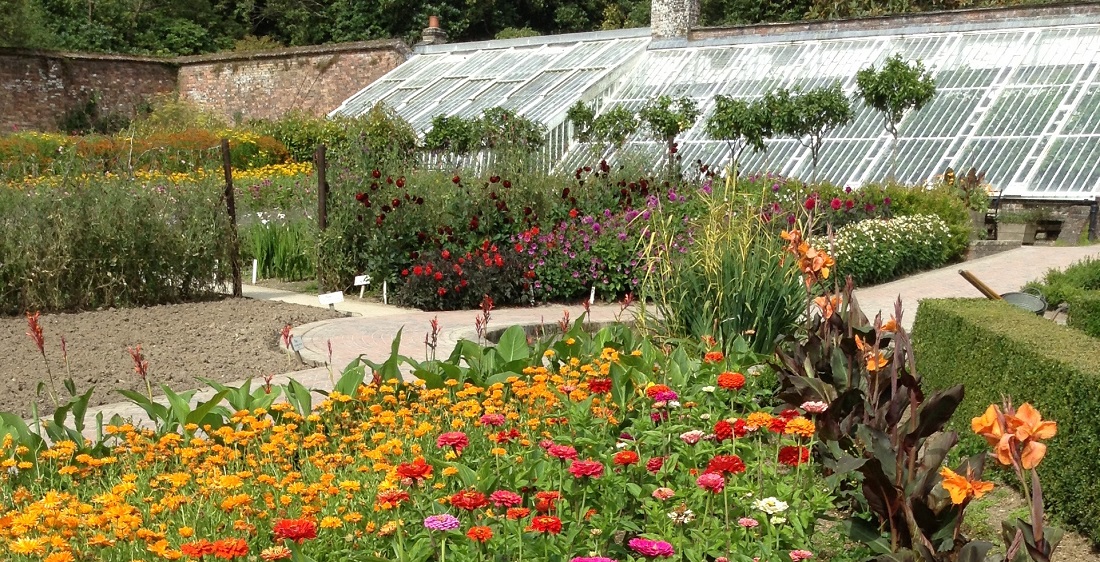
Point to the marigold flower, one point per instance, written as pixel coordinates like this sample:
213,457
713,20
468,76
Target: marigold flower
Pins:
731,381
479,533
546,524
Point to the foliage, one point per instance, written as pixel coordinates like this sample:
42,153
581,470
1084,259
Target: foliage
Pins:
1059,286
971,188
456,135
283,249
514,33
879,250
87,118
502,129
613,126
665,119
893,90
480,429
460,281
170,114
810,115
111,243
999,350
741,124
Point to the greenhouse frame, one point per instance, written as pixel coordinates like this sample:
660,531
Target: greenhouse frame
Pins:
1018,93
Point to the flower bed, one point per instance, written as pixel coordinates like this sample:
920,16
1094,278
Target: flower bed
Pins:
594,448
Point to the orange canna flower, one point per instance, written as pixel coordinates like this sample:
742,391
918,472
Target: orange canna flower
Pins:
828,305
963,487
1015,432
989,425
1027,423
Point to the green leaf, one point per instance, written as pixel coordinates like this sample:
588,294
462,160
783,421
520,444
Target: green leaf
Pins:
513,345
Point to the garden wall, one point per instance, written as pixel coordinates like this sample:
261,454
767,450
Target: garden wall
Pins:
38,87
997,350
267,84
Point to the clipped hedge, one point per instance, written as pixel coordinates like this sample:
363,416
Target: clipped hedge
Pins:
997,350
1084,312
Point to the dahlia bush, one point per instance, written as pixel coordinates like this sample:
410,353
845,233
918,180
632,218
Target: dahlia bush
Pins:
600,448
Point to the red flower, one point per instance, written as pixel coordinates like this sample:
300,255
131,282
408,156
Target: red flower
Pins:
625,458
654,464
438,276
793,456
777,425
229,549
835,203
731,381
479,534
563,452
713,357
454,439
546,501
504,498
546,524
599,386
726,464
296,530
446,254
789,414
197,549
811,203
469,500
515,513
573,213
586,469
723,430
656,389
404,273
416,470
456,179
391,499
401,181
418,270
376,173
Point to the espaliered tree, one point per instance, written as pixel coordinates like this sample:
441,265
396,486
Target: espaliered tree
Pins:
810,115
666,118
611,127
742,124
893,90
498,131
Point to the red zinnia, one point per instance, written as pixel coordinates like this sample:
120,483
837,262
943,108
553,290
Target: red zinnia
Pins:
416,470
562,452
726,464
391,499
197,549
625,458
454,439
656,389
654,464
713,357
469,500
724,430
731,381
777,425
793,456
296,530
229,549
588,468
599,386
515,513
546,524
545,501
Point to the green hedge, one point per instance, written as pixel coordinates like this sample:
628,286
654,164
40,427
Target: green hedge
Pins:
996,349
1084,312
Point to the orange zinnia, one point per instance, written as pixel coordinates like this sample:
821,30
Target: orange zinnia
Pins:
480,534
962,487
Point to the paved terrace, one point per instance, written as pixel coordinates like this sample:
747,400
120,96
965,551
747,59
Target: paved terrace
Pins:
372,327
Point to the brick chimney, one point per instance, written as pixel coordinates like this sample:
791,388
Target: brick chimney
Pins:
433,34
673,18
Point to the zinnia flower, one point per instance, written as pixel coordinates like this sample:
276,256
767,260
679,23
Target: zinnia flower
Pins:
563,452
297,530
275,553
515,513
469,500
479,533
228,549
493,419
663,493
748,522
651,548
713,357
813,407
711,482
442,522
692,437
197,549
625,458
592,559
454,439
655,390
504,498
654,464
793,456
801,427
416,470
546,524
725,464
586,469
731,381
799,555
771,505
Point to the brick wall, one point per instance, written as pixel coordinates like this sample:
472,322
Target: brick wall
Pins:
37,88
270,83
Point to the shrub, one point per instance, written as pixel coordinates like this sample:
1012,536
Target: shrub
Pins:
879,250
940,201
447,281
994,349
111,243
1060,286
1084,312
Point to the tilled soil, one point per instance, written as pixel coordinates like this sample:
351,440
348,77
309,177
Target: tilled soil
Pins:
224,340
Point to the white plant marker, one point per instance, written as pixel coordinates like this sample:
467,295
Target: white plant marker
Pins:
385,295
255,264
592,296
362,281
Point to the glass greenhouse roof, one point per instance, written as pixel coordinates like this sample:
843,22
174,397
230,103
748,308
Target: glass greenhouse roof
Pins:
1021,104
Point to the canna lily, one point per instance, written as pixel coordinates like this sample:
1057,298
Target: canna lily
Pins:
1027,423
963,487
1015,432
828,305
989,425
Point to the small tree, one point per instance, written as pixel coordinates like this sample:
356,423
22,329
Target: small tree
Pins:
666,119
741,124
612,127
455,136
809,116
892,91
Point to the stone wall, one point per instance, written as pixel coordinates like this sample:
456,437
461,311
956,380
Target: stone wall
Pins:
267,84
37,87
673,18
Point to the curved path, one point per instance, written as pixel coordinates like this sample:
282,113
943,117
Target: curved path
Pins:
372,327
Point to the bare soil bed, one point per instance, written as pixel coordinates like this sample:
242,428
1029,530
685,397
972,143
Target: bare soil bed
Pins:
223,340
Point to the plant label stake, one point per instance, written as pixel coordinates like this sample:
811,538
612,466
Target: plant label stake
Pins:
296,345
255,263
385,297
362,281
331,299
592,295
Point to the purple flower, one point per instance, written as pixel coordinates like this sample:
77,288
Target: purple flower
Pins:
592,559
651,548
444,522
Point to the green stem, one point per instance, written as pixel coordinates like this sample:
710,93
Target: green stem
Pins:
443,549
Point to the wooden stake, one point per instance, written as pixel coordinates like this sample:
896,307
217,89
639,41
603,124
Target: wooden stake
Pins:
231,207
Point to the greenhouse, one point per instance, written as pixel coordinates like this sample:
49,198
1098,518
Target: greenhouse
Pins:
1018,98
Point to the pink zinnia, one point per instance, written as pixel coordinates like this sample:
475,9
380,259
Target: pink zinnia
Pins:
651,548
748,522
663,493
692,437
812,407
711,481
562,452
589,468
504,498
592,559
493,419
455,439
797,555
